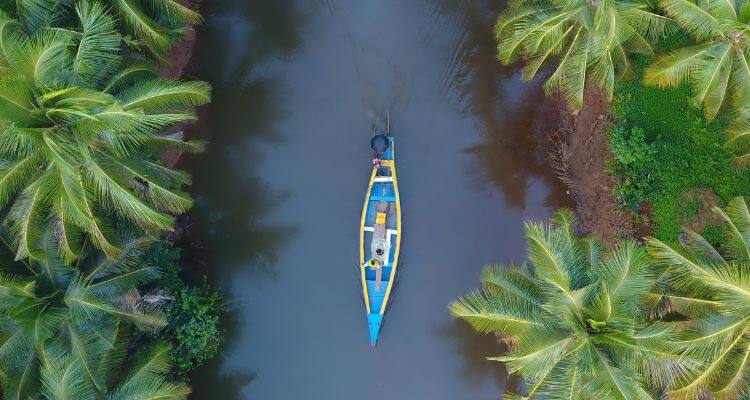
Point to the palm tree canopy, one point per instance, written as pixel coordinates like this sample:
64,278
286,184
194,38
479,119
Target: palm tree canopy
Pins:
710,287
64,330
718,65
572,316
81,136
590,39
152,23
739,138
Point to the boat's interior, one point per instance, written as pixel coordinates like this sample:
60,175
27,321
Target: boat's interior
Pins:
381,222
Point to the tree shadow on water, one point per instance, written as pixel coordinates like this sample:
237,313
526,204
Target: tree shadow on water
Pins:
508,110
475,348
228,227
229,230
211,380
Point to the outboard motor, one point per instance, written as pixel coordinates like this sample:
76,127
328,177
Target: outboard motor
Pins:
379,144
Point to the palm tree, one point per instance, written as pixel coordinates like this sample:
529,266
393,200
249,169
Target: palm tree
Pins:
739,138
710,288
717,65
64,331
141,376
571,316
154,23
81,136
592,38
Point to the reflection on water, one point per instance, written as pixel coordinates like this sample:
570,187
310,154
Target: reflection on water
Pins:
298,85
507,108
474,350
236,42
238,38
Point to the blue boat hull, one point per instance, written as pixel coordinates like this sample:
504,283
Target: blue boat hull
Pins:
381,220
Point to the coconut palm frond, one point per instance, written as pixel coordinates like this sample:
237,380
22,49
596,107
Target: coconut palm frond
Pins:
62,327
176,11
649,23
677,67
18,361
569,77
161,96
482,311
739,85
36,14
739,139
571,317
590,41
701,22
737,219
81,141
717,66
143,26
146,379
98,46
711,287
711,81
64,377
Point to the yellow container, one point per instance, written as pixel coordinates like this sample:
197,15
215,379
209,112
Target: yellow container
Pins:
380,218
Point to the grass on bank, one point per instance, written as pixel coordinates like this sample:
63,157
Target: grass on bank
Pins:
665,149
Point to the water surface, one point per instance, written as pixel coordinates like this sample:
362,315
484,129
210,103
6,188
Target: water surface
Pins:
298,85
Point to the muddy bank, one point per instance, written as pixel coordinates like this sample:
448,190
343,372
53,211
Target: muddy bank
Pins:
578,150
179,57
182,51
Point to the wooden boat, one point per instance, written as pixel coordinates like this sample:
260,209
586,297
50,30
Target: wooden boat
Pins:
380,238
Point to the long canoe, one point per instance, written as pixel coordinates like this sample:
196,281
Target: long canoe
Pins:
381,222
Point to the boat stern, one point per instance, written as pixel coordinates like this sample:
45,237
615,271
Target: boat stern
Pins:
374,321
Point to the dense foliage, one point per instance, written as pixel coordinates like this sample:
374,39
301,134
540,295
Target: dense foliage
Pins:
192,312
87,311
718,64
64,331
664,150
573,317
587,322
154,24
590,41
710,288
79,133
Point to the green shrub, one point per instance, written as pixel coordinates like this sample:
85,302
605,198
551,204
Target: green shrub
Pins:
193,313
193,326
663,148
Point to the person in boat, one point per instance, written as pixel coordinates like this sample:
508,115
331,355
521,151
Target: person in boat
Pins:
379,144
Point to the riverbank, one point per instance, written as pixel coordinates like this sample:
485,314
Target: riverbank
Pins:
179,55
611,157
578,149
182,52
196,311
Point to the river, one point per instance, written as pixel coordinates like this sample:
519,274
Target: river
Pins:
297,86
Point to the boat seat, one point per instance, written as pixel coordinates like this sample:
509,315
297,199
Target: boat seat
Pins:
391,199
